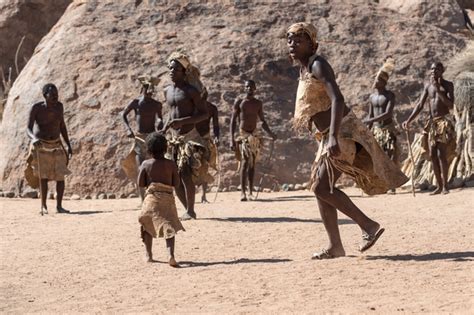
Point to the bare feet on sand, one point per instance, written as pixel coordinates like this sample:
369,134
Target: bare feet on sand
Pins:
149,258
62,210
188,216
172,262
437,191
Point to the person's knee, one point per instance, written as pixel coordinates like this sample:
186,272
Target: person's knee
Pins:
321,189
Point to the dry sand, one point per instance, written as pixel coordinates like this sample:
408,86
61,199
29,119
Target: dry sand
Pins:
240,258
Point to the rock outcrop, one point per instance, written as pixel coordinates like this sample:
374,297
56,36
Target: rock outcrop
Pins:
96,51
31,19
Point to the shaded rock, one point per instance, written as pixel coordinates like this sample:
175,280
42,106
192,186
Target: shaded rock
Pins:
101,196
285,187
75,197
132,195
29,193
456,183
73,54
291,187
9,194
111,196
267,190
469,183
298,187
232,188
87,197
123,196
19,18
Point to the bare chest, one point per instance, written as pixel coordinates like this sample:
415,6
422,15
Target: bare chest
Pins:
433,93
49,117
179,102
379,101
147,107
250,107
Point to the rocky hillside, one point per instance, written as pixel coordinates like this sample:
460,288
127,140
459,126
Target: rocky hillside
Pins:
98,48
29,19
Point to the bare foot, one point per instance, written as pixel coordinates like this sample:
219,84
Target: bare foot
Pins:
149,258
188,216
44,210
61,210
204,199
243,197
445,191
172,262
436,192
251,196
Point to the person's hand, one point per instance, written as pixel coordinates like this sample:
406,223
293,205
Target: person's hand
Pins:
175,124
130,134
69,152
405,125
216,141
333,147
435,83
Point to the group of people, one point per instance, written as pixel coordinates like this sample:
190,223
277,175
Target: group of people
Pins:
176,153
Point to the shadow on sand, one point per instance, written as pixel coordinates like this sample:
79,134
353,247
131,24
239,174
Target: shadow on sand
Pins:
272,220
456,256
190,264
88,212
284,198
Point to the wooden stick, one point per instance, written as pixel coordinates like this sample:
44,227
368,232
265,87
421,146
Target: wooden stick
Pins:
16,55
407,133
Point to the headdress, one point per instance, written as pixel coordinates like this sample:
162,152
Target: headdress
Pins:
386,70
307,28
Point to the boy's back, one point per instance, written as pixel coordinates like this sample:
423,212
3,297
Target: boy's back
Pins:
159,170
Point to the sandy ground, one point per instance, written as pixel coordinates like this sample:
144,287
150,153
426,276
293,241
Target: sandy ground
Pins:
240,258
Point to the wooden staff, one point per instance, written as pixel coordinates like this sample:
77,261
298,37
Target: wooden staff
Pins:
407,133
218,174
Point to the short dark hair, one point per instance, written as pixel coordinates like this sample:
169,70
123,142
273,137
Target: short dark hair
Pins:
156,144
48,87
251,82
